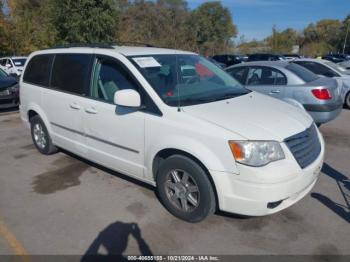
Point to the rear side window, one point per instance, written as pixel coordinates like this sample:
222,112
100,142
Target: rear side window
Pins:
70,73
305,74
38,70
265,76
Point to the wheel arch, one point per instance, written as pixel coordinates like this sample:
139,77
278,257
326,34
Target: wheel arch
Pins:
34,110
163,154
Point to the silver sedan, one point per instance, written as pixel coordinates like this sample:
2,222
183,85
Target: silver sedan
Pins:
319,96
330,69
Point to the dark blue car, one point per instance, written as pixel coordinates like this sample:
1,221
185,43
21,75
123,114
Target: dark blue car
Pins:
9,91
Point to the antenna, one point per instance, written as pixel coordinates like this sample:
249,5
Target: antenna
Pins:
177,65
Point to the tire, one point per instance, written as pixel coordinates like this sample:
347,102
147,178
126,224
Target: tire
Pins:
347,101
192,197
41,137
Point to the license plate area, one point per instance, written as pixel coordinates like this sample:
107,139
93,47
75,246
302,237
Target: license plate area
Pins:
4,93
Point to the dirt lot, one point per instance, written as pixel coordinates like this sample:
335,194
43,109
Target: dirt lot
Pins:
64,205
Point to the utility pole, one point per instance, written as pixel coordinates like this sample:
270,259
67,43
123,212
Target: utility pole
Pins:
346,36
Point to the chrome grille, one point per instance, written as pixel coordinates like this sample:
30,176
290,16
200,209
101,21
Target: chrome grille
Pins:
305,146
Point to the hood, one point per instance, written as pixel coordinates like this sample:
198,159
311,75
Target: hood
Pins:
254,116
7,82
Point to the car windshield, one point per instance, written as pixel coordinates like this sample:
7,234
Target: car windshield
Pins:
341,70
19,61
187,79
305,74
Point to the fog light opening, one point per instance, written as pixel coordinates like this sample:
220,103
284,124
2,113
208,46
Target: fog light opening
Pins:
273,205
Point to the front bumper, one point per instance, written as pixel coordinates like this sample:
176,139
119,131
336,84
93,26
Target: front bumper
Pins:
266,190
9,101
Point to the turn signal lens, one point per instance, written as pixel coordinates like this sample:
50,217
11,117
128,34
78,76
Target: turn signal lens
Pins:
236,151
322,94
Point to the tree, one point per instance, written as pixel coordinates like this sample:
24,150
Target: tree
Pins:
161,23
325,32
282,42
212,27
85,21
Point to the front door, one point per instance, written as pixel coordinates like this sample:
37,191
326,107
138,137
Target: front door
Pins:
114,135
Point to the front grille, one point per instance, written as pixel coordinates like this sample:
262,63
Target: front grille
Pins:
305,146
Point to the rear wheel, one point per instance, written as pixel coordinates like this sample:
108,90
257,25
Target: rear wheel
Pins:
347,100
185,189
41,137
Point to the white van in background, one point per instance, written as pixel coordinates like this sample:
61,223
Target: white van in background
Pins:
13,65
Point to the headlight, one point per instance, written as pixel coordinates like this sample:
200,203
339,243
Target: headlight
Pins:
256,153
14,89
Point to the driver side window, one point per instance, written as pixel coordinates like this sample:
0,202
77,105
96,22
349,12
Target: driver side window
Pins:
109,77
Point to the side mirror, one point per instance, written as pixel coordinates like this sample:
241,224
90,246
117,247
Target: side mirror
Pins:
127,98
8,65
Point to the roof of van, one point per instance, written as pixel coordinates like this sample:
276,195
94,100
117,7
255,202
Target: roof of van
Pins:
14,57
124,50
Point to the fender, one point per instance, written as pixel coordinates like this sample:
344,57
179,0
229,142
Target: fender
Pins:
193,147
40,112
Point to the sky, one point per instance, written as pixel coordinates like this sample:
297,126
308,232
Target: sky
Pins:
255,18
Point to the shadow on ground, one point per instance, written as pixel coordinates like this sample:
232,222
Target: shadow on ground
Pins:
343,183
114,241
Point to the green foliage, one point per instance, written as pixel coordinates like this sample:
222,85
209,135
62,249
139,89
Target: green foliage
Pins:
85,21
35,24
212,25
282,42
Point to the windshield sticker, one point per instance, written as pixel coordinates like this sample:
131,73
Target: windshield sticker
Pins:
145,62
18,63
202,71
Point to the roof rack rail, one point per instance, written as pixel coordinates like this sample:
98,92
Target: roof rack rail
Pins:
92,45
100,45
134,43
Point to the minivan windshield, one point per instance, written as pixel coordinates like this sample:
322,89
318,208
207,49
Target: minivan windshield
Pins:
184,80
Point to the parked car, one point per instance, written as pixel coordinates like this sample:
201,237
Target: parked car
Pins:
265,57
227,59
13,65
345,64
205,142
221,65
336,58
291,56
330,69
319,96
9,91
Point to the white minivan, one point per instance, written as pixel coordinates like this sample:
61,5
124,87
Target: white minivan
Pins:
176,121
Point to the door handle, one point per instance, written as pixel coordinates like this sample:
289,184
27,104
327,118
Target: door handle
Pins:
75,106
275,91
91,110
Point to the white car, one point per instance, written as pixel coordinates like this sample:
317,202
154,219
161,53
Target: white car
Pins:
329,69
13,65
205,142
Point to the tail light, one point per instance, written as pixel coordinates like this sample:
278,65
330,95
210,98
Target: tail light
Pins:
322,94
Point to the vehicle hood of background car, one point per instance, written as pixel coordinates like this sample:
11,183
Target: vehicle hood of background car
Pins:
7,82
254,116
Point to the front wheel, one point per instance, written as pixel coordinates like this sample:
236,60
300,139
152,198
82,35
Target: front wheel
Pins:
185,189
